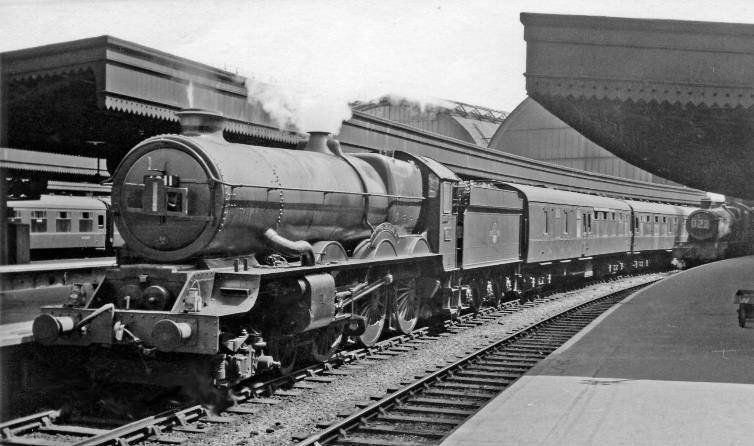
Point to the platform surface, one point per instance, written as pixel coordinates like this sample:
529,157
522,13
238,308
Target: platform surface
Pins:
15,334
59,264
668,366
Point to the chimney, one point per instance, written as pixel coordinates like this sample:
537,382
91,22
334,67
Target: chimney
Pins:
322,142
317,143
200,122
705,203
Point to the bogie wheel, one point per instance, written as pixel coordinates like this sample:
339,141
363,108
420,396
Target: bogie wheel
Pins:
406,305
284,350
373,309
326,342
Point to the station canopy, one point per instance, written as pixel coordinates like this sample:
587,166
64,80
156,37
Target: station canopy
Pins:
675,98
99,97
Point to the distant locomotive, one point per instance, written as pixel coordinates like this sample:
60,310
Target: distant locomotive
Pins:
726,230
66,226
239,258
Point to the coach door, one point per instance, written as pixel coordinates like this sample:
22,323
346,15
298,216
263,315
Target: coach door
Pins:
584,230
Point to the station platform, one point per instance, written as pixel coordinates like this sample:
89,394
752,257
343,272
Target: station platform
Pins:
58,265
668,366
15,334
24,288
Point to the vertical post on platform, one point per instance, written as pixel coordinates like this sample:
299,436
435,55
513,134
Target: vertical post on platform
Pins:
4,248
3,185
3,106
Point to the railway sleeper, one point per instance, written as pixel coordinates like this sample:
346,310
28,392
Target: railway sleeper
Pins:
454,393
534,345
526,351
502,368
376,442
444,402
507,359
550,337
73,430
485,374
435,410
479,381
413,419
491,387
391,429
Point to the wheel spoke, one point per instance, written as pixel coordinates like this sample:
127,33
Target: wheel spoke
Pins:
373,310
325,343
405,313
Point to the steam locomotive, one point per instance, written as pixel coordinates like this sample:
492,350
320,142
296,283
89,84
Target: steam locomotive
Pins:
717,232
240,259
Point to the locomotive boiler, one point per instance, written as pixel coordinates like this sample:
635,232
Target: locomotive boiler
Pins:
195,195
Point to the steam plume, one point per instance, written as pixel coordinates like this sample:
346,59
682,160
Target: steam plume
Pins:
304,109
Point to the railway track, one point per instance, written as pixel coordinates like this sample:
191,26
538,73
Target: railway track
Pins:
51,428
424,412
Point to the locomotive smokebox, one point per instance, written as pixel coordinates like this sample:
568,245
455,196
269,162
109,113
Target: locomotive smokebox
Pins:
200,122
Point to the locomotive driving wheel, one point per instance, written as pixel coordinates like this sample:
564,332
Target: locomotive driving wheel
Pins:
373,309
284,350
406,305
326,342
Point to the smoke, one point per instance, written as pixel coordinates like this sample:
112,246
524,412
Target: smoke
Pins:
298,108
422,104
303,108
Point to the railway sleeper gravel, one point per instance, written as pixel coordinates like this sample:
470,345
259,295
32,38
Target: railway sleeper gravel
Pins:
502,364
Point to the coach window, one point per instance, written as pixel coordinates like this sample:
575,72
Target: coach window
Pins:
86,222
38,221
100,222
63,222
547,221
14,216
565,217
